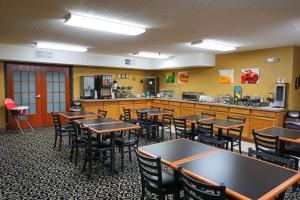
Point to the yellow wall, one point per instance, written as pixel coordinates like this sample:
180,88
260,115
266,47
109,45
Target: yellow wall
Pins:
206,79
295,95
2,96
134,77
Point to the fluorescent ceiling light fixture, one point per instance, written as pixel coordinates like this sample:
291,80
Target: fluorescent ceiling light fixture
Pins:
103,25
146,54
204,44
64,47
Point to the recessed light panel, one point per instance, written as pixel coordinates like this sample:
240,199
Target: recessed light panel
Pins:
64,47
103,25
213,45
146,54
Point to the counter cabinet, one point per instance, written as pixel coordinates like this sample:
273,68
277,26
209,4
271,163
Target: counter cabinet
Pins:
255,118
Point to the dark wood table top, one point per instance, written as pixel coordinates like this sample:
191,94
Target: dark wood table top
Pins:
285,134
293,121
245,178
152,111
223,123
112,127
77,115
194,118
176,151
103,120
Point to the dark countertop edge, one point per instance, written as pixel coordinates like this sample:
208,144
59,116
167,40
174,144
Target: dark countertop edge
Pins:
186,101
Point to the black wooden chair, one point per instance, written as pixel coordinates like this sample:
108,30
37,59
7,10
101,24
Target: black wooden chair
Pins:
206,114
61,130
181,129
78,141
234,135
196,190
270,144
275,159
149,124
102,113
206,135
128,117
156,180
97,150
129,139
155,108
166,125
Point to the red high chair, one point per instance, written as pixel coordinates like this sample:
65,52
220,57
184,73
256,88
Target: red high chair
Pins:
16,113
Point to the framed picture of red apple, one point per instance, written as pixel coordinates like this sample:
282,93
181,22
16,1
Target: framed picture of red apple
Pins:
250,76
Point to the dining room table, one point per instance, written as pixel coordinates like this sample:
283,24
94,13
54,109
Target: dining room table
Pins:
285,135
192,119
244,177
111,129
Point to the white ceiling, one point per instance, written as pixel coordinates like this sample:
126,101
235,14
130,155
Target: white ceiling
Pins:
170,24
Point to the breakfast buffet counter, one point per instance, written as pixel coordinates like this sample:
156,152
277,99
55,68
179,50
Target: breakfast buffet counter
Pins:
256,117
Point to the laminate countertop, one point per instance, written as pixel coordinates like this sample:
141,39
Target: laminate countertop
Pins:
265,108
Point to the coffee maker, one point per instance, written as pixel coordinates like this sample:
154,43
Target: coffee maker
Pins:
280,97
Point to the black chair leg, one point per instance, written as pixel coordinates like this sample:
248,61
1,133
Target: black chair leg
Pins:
122,158
280,196
76,155
240,146
177,196
60,141
72,152
55,140
129,151
143,192
161,197
231,146
90,164
170,133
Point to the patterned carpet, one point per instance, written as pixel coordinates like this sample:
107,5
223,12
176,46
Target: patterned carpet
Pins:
31,169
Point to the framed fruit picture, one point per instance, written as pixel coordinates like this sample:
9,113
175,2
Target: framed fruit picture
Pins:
183,77
250,76
226,76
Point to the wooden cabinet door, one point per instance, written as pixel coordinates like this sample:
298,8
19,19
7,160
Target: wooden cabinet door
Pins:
221,115
176,110
257,123
199,111
113,111
187,111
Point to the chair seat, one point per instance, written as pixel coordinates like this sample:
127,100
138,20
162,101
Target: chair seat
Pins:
124,141
230,137
292,149
170,183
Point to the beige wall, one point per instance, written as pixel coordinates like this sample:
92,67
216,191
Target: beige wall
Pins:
134,77
206,79
2,96
295,95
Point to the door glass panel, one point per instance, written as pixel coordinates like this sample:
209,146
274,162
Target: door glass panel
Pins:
24,86
24,89
49,87
17,76
56,96
32,86
24,98
32,108
49,107
24,75
55,76
17,98
17,86
56,107
32,97
55,87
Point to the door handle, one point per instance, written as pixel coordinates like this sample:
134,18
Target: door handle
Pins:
38,96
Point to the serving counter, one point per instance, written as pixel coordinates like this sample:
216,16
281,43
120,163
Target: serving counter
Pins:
256,117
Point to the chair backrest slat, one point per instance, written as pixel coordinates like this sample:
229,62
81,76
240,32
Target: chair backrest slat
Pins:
150,168
196,190
102,113
266,143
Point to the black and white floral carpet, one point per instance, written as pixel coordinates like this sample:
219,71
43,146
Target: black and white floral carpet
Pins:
31,169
